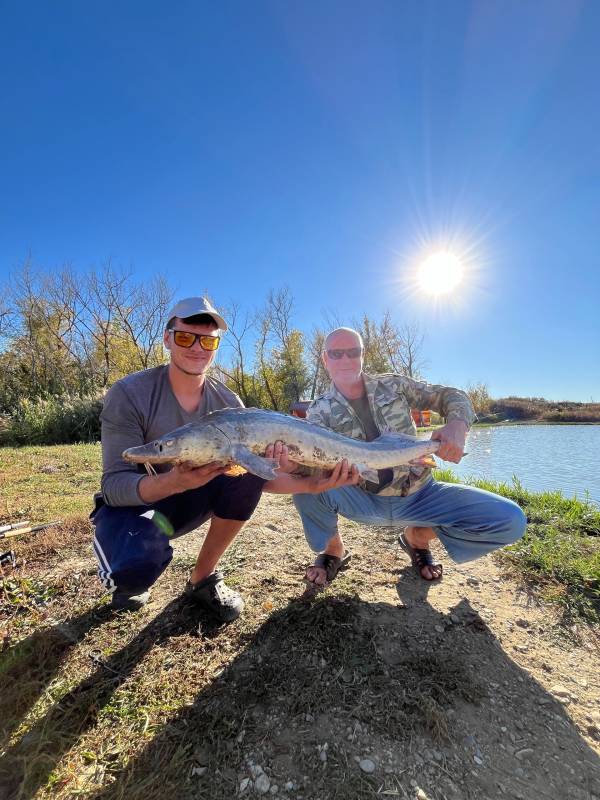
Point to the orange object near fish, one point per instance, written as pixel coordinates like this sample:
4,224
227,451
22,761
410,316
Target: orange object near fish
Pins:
235,470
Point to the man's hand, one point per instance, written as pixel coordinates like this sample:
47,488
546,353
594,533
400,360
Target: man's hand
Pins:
179,479
288,483
343,474
279,451
452,437
186,476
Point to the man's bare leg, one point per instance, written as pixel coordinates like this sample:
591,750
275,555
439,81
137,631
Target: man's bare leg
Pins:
420,538
335,547
220,535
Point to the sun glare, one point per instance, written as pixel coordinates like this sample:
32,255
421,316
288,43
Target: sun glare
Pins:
440,273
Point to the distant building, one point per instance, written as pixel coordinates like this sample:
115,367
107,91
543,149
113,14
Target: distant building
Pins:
298,409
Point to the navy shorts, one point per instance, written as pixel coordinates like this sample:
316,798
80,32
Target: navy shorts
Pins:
132,543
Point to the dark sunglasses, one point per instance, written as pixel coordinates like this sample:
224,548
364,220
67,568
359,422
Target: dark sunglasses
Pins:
351,352
187,339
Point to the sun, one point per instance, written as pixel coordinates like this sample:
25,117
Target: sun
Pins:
440,273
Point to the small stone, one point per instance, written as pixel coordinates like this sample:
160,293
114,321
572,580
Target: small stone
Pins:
289,786
594,732
455,619
478,760
561,694
244,784
323,755
521,648
421,795
526,752
439,628
198,772
522,623
274,789
262,784
367,765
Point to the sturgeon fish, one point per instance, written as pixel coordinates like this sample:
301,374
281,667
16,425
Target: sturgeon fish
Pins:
241,435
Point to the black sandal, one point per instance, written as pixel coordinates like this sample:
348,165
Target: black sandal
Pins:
421,557
332,565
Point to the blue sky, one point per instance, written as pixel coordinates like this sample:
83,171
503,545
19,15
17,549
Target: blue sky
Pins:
327,147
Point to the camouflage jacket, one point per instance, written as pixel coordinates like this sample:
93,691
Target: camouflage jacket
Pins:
391,398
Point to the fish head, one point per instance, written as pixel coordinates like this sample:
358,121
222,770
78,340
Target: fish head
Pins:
193,443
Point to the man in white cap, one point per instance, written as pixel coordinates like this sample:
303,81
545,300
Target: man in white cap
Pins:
137,514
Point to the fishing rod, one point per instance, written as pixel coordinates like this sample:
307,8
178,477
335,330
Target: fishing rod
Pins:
18,529
13,525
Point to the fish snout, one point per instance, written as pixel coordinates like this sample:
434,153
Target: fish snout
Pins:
156,452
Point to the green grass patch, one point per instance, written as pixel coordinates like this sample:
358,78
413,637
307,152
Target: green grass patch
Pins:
560,552
52,482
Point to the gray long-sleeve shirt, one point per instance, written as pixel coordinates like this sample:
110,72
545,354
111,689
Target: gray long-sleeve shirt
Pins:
138,409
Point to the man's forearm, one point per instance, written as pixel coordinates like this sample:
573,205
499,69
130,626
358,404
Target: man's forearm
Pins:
153,488
290,484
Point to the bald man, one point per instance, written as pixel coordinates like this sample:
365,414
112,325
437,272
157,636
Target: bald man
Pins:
469,522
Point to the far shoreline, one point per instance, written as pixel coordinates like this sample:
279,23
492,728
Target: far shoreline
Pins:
510,422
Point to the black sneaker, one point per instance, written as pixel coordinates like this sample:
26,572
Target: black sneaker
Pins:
129,601
216,597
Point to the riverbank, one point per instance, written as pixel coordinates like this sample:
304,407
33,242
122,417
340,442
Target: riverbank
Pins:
475,687
534,409
559,556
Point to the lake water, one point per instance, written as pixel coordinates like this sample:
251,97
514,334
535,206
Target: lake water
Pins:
543,457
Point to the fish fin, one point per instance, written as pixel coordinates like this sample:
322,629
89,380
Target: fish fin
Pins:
367,473
257,465
234,470
424,461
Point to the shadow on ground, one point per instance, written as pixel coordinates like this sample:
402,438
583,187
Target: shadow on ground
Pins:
28,668
320,686
31,665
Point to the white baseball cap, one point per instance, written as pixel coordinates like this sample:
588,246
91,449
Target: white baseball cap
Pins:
192,306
